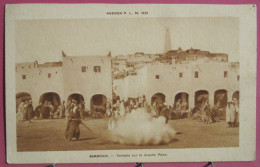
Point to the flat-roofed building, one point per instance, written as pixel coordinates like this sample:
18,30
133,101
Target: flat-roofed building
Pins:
85,78
169,82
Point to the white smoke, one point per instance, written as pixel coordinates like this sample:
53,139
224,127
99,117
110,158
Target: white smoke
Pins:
140,128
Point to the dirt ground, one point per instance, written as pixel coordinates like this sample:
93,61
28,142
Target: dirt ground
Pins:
48,135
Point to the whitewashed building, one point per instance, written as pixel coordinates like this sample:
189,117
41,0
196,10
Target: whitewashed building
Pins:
190,78
85,78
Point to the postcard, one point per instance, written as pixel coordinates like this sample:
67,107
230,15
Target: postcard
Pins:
96,83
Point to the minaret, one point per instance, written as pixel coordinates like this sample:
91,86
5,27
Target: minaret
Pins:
167,44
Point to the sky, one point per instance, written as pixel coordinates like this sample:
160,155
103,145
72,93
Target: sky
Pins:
44,40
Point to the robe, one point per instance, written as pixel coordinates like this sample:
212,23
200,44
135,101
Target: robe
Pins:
25,112
178,106
29,112
21,111
165,114
237,113
63,110
122,109
72,128
38,111
153,112
230,113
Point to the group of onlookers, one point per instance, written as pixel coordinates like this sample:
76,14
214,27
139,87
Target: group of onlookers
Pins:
180,109
122,107
76,108
48,110
25,111
203,112
232,113
208,114
159,108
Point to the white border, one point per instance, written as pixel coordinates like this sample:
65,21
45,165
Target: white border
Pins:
247,20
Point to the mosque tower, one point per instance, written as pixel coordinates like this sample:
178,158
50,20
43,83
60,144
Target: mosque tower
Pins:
167,44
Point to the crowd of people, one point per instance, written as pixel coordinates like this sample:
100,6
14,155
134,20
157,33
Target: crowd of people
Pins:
122,107
26,111
202,111
76,108
208,114
158,108
111,108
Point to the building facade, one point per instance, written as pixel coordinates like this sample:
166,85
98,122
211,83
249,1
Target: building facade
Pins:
85,78
89,78
169,82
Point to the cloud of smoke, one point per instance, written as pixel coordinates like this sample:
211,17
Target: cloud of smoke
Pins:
140,128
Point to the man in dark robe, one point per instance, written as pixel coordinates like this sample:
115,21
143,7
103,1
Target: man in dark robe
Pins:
63,109
37,110
30,111
165,112
160,108
72,129
44,110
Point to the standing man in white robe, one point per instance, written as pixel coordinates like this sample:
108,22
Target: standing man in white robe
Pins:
122,109
236,104
20,111
230,114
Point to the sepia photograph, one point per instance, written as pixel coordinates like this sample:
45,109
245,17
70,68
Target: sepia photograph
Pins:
127,83
146,83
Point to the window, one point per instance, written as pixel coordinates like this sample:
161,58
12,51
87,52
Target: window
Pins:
238,77
157,76
97,69
24,76
225,74
196,74
49,75
83,69
180,74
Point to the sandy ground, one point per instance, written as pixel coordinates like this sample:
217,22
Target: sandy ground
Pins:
48,135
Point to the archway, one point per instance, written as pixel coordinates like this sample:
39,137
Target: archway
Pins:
76,96
183,99
49,98
200,96
236,96
98,100
22,97
158,98
220,98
